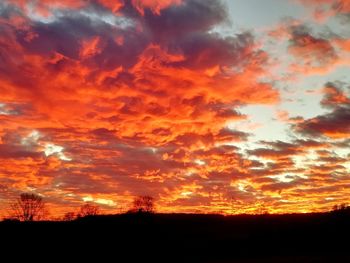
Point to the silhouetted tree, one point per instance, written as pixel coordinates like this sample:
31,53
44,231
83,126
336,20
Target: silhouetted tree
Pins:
89,210
143,204
28,207
69,216
340,207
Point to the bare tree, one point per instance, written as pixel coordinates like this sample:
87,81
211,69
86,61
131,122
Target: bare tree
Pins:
89,210
143,204
69,216
28,207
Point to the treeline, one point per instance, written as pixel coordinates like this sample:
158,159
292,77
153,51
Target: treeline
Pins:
32,207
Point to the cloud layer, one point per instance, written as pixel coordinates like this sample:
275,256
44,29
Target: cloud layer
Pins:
105,100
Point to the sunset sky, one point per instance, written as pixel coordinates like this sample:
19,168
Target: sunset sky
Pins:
206,105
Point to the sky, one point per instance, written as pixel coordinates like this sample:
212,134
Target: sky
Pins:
208,106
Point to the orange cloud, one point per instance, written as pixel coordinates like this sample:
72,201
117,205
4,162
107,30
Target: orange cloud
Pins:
90,47
113,5
155,5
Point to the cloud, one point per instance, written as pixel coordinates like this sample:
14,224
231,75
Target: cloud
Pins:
324,9
334,124
334,96
313,50
313,53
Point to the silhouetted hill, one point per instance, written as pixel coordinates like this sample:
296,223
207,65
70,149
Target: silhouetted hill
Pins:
195,238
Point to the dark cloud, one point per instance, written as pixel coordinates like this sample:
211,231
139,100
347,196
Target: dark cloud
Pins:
208,50
181,21
277,150
334,95
11,151
313,51
334,124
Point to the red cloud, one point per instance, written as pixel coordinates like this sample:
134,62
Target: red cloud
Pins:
155,5
113,5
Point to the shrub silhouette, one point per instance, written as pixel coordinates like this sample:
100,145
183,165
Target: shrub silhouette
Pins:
341,207
143,204
89,210
69,216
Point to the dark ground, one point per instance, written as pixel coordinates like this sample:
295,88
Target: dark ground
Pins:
186,238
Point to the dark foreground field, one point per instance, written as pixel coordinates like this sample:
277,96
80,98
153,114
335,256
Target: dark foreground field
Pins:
186,238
